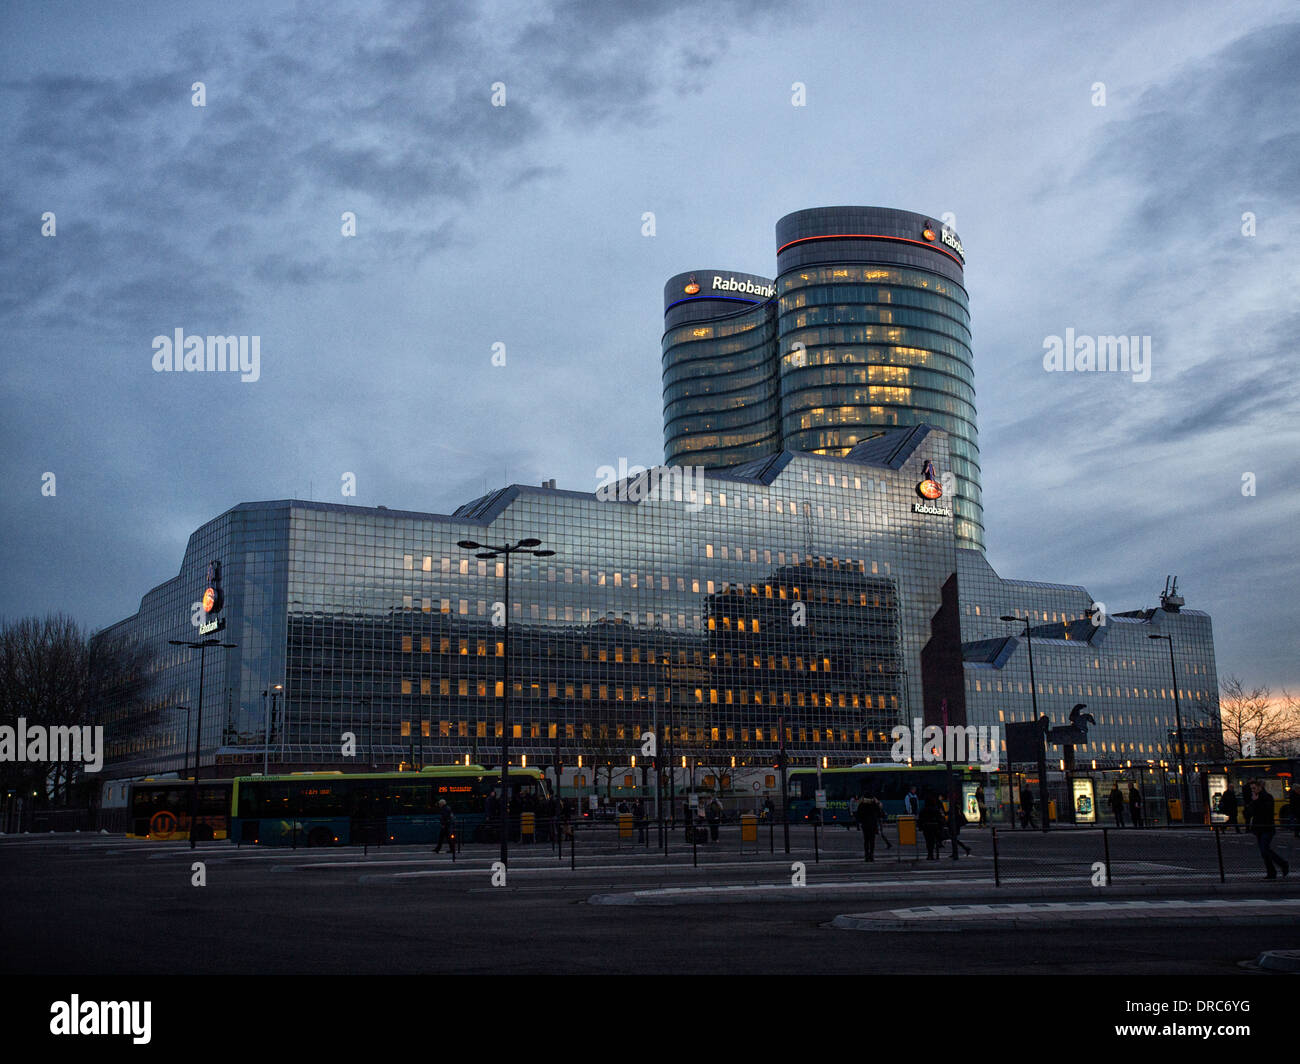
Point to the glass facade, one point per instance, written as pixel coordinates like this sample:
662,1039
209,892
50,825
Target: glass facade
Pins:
816,588
1123,677
719,378
806,587
871,330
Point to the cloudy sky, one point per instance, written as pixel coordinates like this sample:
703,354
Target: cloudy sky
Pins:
1165,211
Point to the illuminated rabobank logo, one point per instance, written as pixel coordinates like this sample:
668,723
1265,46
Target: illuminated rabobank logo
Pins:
946,235
749,288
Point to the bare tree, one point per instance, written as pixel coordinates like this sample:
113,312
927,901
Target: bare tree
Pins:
1253,717
717,765
52,674
608,757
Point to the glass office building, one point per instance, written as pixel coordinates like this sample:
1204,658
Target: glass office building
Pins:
721,404
869,329
821,589
1112,666
796,561
802,586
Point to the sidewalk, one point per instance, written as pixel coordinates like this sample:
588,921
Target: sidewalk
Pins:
1286,890
1173,912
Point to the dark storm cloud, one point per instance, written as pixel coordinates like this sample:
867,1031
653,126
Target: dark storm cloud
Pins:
1180,168
172,216
387,114
1224,132
1248,385
593,53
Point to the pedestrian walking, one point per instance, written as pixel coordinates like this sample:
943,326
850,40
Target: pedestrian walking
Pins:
911,803
1116,800
714,816
1228,807
853,814
868,813
1261,825
1135,806
446,827
638,814
931,822
1026,806
956,819
979,804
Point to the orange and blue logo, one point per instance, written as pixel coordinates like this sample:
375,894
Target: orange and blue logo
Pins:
212,592
692,286
929,488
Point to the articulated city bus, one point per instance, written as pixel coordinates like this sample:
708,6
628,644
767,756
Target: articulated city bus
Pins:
887,781
333,808
160,809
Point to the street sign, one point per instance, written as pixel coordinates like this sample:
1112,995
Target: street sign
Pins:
757,786
821,799
1024,742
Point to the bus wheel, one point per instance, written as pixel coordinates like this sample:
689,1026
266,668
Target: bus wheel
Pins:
319,837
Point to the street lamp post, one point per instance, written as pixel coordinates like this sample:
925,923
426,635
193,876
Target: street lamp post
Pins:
202,648
488,551
1042,742
785,784
1178,722
274,692
185,758
370,729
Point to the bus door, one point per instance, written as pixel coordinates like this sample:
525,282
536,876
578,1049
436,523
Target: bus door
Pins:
369,814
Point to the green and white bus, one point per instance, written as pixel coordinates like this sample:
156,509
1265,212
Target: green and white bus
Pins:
888,781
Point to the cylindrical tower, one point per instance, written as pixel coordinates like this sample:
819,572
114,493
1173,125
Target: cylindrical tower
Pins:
719,369
873,329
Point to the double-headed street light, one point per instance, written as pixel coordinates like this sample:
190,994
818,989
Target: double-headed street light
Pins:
1033,695
1178,720
202,648
524,546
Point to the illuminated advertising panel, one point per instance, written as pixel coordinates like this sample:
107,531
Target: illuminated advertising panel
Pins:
1218,784
1085,802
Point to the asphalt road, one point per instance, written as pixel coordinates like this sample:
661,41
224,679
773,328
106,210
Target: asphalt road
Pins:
108,906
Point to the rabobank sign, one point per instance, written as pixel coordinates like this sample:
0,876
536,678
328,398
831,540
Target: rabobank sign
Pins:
746,287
